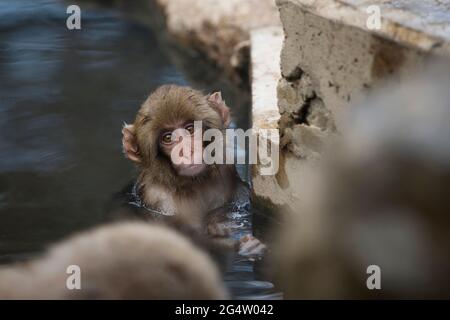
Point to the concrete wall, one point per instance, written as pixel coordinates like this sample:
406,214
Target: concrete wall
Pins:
329,59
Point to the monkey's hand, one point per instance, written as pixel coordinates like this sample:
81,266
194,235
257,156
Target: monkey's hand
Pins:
217,223
217,229
249,246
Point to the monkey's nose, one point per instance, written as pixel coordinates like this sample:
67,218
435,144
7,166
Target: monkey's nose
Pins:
186,154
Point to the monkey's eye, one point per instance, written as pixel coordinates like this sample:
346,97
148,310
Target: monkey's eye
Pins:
167,138
190,128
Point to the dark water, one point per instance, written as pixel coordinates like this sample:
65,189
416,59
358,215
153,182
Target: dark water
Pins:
63,98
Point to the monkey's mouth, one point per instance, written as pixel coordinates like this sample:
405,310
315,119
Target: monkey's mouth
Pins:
191,169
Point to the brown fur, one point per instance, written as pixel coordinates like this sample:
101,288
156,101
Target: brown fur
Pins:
119,261
169,104
195,201
159,184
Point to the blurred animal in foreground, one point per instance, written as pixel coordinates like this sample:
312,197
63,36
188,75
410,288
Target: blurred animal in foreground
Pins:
118,261
381,196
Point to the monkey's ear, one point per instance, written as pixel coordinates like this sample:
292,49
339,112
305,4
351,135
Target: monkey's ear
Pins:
129,143
219,105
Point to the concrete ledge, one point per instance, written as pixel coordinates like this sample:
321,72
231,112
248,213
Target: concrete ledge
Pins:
219,29
265,46
416,23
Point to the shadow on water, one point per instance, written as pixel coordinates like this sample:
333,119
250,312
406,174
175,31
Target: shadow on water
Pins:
63,98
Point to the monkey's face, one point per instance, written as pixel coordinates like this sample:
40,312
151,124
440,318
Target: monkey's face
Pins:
182,143
167,135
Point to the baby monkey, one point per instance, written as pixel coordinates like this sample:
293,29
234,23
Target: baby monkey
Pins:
167,146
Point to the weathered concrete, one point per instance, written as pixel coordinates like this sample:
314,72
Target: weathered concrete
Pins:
219,29
423,24
330,57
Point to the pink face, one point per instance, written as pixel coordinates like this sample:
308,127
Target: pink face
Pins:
184,146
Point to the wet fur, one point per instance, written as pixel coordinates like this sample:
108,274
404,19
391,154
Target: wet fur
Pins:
159,185
118,261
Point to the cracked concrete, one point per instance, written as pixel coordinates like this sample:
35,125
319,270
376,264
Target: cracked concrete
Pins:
330,59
